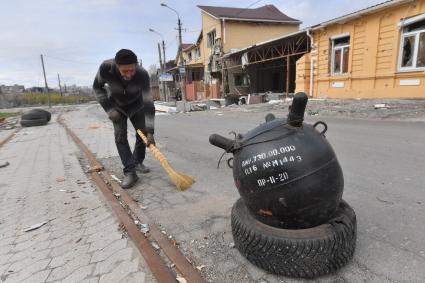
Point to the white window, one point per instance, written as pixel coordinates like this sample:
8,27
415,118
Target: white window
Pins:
412,49
211,38
198,53
340,55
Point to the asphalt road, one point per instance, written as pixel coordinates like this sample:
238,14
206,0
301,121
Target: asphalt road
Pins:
383,165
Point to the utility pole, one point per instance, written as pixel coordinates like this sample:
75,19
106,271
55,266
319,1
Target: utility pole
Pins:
45,80
160,58
162,67
164,71
60,87
163,53
179,23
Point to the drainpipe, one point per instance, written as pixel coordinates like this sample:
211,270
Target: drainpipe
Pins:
311,63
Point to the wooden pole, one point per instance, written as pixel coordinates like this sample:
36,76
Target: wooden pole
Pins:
287,75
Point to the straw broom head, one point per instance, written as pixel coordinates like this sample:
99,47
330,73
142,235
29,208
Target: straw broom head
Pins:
182,181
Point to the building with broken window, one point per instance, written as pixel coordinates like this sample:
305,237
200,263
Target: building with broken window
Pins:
227,30
377,52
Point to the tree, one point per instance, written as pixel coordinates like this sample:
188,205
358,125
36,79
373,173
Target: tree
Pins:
153,69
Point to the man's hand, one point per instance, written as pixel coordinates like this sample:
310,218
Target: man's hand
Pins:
114,115
150,138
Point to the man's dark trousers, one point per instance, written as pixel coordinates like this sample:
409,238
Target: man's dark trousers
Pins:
129,159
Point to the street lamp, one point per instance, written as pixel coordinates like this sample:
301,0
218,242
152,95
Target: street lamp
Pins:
163,66
179,24
163,48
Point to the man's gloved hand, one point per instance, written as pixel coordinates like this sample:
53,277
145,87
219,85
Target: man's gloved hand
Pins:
114,115
150,138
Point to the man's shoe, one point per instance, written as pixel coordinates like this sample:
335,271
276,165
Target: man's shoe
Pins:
142,168
129,180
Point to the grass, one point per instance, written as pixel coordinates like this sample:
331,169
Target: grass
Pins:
55,98
8,114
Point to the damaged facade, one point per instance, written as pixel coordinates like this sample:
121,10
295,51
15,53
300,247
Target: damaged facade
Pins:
224,31
378,52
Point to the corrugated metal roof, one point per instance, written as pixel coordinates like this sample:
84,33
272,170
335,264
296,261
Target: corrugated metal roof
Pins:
264,13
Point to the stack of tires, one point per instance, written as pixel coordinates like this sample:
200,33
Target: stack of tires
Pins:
35,117
291,219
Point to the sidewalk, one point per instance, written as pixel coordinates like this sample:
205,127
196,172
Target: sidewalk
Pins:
81,241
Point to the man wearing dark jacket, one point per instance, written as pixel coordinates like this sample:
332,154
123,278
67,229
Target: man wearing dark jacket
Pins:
123,90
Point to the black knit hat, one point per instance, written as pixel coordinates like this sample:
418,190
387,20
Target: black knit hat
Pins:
125,57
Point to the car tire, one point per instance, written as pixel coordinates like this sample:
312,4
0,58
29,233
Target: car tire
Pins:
303,253
36,114
34,122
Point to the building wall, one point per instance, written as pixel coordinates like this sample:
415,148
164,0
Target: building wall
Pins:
239,35
373,58
208,24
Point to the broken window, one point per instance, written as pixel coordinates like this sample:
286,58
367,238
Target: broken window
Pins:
240,79
413,46
340,55
211,38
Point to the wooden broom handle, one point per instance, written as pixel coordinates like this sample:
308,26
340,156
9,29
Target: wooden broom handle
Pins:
155,151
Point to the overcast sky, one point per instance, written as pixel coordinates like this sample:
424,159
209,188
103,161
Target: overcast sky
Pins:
77,35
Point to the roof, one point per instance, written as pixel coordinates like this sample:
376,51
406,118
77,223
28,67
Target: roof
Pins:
359,13
267,13
286,36
186,46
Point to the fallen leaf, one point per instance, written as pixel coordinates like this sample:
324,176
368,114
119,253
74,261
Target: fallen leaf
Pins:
60,179
96,168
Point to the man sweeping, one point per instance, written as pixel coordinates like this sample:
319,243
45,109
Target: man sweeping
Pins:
122,88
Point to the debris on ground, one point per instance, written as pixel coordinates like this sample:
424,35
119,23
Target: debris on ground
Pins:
67,191
4,164
155,246
200,267
35,226
96,168
60,179
144,228
116,178
181,280
93,127
380,106
312,113
116,194
232,245
80,182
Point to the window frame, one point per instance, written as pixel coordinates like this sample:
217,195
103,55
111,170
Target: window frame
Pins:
403,36
210,43
341,47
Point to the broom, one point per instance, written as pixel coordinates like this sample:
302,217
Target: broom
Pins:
182,181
